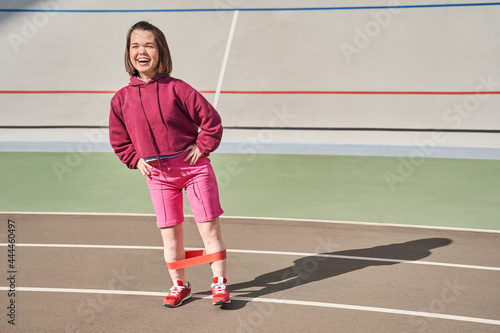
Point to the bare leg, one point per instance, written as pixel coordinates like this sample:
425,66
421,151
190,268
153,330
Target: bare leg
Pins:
173,249
212,239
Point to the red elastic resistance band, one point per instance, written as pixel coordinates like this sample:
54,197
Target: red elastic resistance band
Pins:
197,257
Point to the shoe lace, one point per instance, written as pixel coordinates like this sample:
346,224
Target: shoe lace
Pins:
175,290
219,288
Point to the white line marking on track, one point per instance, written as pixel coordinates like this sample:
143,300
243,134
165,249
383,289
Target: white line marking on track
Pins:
374,224
298,254
371,309
224,61
85,214
270,300
91,246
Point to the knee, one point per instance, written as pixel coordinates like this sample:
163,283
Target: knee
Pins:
211,231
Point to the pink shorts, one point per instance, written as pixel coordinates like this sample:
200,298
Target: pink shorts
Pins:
166,182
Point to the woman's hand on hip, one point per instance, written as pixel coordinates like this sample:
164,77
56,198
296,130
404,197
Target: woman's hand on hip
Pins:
144,167
194,155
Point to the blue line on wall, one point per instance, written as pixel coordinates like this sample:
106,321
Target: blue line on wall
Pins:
245,9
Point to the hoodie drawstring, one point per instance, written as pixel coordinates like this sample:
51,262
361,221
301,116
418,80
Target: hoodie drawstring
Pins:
159,107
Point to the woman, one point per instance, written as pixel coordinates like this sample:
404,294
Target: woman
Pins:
166,129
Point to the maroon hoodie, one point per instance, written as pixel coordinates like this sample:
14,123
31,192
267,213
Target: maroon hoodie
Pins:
161,117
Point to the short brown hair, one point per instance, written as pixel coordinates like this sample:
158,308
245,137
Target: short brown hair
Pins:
165,60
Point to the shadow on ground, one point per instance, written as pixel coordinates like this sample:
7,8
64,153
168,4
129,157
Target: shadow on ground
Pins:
316,268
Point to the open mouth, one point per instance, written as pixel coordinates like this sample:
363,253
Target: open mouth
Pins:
143,61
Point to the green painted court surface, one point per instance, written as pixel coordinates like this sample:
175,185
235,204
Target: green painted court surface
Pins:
437,192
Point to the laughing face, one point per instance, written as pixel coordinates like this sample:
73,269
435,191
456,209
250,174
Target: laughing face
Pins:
144,53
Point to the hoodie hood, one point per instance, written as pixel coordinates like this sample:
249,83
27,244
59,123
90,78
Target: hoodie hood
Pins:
135,81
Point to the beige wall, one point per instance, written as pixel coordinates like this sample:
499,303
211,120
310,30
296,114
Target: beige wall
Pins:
448,49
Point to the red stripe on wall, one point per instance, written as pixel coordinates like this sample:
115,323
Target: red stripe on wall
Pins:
364,92
295,92
57,92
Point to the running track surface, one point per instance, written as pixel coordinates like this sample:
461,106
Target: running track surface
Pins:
369,279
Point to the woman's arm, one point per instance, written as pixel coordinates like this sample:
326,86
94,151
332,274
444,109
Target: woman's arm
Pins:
208,119
120,139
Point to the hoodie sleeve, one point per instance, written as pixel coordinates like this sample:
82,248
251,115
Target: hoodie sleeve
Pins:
208,119
120,139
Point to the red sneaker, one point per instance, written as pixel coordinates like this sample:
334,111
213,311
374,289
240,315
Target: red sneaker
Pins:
220,294
178,294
